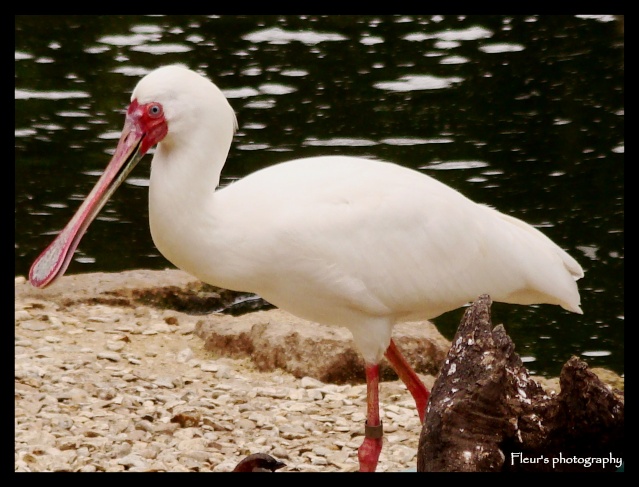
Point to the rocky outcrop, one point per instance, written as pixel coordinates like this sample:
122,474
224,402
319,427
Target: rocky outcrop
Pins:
272,339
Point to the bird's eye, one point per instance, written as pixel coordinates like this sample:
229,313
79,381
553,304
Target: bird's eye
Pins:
154,110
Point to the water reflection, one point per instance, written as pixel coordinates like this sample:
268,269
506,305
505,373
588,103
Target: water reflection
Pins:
277,35
525,113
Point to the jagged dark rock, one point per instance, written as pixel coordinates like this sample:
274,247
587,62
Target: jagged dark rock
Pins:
486,413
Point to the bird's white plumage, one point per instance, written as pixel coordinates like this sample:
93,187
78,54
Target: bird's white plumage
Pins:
338,240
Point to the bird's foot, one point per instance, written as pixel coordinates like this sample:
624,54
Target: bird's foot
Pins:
368,453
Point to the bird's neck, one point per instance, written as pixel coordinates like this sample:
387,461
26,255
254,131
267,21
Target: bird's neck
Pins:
182,210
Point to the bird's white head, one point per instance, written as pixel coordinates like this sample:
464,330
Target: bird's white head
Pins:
173,104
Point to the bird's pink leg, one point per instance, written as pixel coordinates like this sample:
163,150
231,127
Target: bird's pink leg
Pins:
408,377
371,448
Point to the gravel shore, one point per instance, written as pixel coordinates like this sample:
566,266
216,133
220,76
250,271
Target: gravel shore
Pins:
107,388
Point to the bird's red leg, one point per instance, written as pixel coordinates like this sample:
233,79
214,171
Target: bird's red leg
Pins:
371,448
408,377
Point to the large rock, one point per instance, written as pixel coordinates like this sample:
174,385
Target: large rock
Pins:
276,339
272,338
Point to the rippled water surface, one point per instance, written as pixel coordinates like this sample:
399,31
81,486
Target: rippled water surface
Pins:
523,113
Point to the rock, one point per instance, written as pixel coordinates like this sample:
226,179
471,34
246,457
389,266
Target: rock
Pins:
487,414
275,339
272,339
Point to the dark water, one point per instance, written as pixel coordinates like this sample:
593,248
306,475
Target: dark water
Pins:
524,113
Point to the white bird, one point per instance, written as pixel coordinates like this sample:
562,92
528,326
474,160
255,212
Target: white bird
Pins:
338,240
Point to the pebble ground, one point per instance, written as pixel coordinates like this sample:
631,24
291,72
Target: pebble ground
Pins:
105,388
